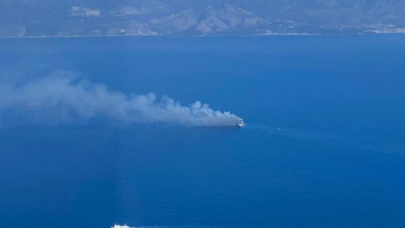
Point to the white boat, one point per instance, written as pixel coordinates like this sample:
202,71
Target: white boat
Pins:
118,226
240,123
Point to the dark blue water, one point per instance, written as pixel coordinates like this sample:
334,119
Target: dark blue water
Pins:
337,160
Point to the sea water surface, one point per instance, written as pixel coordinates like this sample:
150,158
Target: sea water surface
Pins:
323,145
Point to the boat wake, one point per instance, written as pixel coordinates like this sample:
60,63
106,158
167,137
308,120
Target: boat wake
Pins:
371,143
126,226
264,128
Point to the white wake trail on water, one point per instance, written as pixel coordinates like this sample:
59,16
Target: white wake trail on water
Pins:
64,98
262,128
126,226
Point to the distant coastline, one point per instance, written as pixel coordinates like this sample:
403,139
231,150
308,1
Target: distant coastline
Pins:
176,36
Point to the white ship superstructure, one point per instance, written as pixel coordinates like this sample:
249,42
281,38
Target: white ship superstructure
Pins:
241,123
119,226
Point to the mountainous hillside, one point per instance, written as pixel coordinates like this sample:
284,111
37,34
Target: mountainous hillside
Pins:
20,18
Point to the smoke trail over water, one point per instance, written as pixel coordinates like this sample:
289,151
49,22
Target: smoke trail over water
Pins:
63,98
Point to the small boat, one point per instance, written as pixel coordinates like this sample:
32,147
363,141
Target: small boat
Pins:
240,123
118,226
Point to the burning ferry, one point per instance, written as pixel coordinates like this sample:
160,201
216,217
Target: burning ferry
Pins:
241,123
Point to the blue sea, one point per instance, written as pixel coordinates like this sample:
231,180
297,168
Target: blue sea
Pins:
323,146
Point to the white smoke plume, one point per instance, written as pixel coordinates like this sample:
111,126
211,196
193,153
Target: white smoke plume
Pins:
63,98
